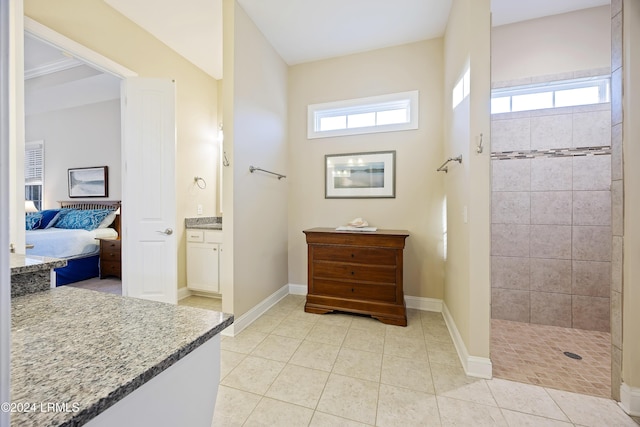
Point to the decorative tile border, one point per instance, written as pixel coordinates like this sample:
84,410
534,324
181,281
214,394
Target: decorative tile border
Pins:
553,152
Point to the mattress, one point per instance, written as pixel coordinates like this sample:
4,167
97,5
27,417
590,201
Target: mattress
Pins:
65,243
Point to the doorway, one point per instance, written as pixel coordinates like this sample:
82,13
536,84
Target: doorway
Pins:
551,205
148,190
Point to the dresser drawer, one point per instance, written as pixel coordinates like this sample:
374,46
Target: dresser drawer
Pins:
110,254
110,245
358,272
359,291
110,268
375,256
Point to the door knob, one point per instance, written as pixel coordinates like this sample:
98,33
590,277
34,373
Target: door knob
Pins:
168,231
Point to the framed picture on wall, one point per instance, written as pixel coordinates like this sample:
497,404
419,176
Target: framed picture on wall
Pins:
360,175
89,182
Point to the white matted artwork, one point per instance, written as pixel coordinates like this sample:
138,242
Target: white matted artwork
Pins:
360,175
89,182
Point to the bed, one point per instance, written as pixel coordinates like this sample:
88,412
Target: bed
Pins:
71,233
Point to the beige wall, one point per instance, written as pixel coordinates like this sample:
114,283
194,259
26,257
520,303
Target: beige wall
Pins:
99,27
631,148
562,43
255,123
467,186
417,206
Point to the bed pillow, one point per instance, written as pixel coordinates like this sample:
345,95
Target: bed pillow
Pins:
47,217
108,220
33,220
77,219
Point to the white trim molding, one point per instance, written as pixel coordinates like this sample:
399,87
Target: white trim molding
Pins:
297,289
424,304
241,323
75,49
473,366
630,399
183,293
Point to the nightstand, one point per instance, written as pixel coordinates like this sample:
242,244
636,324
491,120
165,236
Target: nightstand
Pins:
110,258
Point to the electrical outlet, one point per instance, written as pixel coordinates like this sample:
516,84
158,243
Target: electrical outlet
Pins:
199,209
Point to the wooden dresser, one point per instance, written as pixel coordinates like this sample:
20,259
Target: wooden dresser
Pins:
357,272
110,264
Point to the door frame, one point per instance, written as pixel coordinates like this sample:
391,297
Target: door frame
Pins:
83,53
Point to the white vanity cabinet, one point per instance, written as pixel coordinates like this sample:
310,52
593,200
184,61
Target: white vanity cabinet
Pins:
203,260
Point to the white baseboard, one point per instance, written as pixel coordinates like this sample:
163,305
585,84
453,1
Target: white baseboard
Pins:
424,304
473,366
630,399
183,293
240,323
297,289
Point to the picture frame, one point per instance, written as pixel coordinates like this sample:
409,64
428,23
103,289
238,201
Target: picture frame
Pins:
360,175
89,182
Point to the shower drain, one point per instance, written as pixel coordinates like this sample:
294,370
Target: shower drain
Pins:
572,355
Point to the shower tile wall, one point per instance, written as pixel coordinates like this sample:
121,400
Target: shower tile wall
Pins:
551,217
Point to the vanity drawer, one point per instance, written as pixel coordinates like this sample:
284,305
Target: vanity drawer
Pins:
375,256
195,236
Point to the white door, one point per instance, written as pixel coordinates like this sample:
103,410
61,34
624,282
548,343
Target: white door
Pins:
149,247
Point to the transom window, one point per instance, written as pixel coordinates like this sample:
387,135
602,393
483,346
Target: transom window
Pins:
566,93
385,113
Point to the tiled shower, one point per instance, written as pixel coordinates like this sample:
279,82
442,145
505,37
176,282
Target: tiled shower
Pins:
551,217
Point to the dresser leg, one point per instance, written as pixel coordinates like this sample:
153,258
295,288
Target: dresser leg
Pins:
316,310
397,321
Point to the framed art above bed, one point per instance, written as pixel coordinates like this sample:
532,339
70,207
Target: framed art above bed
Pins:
89,182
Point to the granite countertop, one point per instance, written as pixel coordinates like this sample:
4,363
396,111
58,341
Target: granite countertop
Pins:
88,349
206,226
29,264
204,223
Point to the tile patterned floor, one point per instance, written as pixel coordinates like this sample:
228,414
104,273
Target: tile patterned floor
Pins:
291,368
534,354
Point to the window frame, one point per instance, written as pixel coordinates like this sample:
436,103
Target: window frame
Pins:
34,146
372,104
602,82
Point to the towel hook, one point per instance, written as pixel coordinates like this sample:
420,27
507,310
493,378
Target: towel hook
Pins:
200,182
480,148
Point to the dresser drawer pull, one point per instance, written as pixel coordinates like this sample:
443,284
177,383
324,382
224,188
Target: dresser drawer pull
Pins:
353,255
352,273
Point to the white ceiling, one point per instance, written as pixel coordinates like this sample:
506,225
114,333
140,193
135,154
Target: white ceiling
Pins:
193,28
510,11
308,30
54,80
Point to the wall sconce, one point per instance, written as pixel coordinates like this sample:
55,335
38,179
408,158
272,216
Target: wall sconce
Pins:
29,206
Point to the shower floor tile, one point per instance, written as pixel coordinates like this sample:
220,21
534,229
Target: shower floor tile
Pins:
533,354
